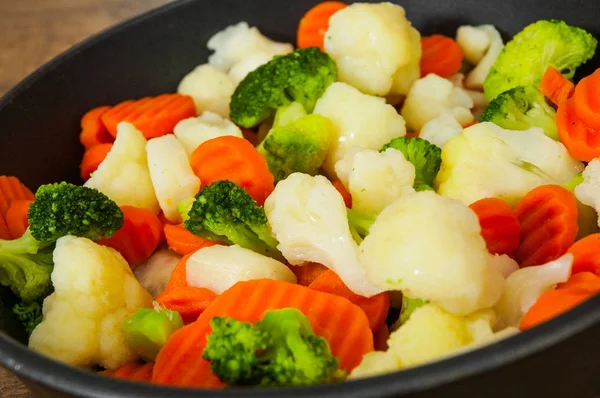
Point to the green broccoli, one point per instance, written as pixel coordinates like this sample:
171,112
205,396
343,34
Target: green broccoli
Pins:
299,146
426,157
29,314
360,224
281,350
223,211
288,114
148,329
301,76
58,210
525,58
409,305
521,108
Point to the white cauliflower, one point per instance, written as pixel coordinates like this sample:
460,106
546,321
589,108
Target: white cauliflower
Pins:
487,161
94,293
217,268
154,273
359,120
432,96
375,179
440,130
195,131
588,192
473,43
240,70
430,247
237,42
124,176
210,87
308,218
524,286
172,176
375,48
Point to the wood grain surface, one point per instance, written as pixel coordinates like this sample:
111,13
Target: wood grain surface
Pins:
34,31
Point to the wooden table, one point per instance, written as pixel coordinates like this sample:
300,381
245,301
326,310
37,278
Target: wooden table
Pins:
34,31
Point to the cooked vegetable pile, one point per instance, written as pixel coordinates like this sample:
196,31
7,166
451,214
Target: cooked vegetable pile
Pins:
344,209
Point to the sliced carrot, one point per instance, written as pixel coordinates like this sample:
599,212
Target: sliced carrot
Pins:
343,324
182,241
587,100
16,217
153,116
375,308
307,273
92,159
234,159
555,86
586,254
250,136
441,55
4,231
551,304
93,131
314,24
344,192
585,281
380,338
139,236
582,141
412,134
548,218
10,189
178,296
132,371
499,225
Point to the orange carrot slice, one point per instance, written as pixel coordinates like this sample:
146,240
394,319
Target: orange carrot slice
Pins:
380,338
551,304
16,217
92,159
586,254
132,371
93,131
555,86
582,141
344,192
314,24
587,100
499,225
4,231
585,281
441,55
307,273
10,189
182,241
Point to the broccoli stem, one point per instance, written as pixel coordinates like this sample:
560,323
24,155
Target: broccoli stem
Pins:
360,224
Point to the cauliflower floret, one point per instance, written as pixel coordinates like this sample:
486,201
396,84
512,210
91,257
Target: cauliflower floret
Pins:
375,179
124,175
211,89
440,130
430,247
359,120
375,48
477,76
588,192
236,42
172,176
195,131
217,268
154,273
308,218
94,293
432,96
524,286
486,161
473,41
240,70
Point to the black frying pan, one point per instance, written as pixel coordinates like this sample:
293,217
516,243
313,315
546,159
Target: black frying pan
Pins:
149,55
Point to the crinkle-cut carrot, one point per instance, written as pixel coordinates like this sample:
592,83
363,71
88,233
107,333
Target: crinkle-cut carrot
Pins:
153,116
375,308
412,134
337,184
178,296
380,338
548,218
182,241
551,304
139,236
10,189
92,159
141,372
16,217
586,281
555,86
234,159
4,231
581,140
314,24
441,55
307,273
586,254
587,100
93,131
499,225
343,324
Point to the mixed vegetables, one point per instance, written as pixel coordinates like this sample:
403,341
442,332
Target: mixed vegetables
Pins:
368,202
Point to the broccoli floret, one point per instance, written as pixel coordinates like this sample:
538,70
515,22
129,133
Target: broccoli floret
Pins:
299,146
426,157
29,314
301,76
525,58
223,211
573,182
148,329
409,305
58,210
288,114
360,224
279,351
521,108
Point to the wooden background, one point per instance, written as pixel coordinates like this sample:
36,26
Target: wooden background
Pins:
33,32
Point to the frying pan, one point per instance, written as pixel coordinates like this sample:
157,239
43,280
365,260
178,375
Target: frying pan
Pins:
148,55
